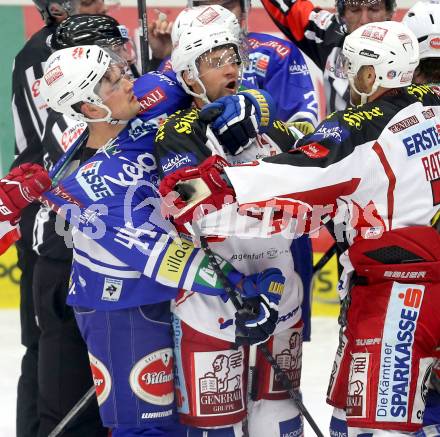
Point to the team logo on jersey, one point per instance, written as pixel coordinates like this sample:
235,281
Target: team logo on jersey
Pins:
151,378
92,182
219,382
101,379
151,99
396,361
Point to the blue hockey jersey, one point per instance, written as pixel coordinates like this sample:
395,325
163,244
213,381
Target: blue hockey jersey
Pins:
124,253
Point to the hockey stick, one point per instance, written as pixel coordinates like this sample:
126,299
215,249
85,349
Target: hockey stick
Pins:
143,35
325,258
234,296
73,413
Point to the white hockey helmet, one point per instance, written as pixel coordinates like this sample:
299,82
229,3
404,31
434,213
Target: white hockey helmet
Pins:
424,20
227,4
73,75
390,47
203,16
194,43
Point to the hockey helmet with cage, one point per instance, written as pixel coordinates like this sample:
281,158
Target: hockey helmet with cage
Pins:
424,20
196,42
52,9
390,5
85,29
74,75
390,47
203,16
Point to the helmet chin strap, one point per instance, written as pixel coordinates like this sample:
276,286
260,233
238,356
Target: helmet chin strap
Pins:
202,96
108,118
364,96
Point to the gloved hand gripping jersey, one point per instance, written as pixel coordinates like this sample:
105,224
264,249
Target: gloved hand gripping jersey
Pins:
261,295
236,120
20,187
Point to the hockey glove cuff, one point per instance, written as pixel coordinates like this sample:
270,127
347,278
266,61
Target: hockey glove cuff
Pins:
189,193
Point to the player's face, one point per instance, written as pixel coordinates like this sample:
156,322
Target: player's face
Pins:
360,12
362,82
92,7
219,71
116,91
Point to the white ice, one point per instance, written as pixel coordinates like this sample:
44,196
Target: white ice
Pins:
317,362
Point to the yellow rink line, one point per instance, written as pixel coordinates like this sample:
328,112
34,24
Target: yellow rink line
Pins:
325,298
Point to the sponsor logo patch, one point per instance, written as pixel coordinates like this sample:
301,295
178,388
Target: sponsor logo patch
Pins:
262,64
101,379
151,378
151,99
92,182
174,262
298,69
358,384
53,75
374,32
111,290
396,354
140,128
219,382
314,150
435,43
369,54
174,161
207,16
71,134
422,141
404,124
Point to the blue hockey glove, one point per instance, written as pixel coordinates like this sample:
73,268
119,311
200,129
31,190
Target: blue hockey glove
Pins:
236,120
262,292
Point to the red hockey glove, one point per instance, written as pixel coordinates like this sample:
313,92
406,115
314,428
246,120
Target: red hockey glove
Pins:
186,193
20,187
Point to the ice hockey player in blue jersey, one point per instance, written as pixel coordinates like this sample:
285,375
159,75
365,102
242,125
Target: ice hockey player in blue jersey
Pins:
127,265
272,64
